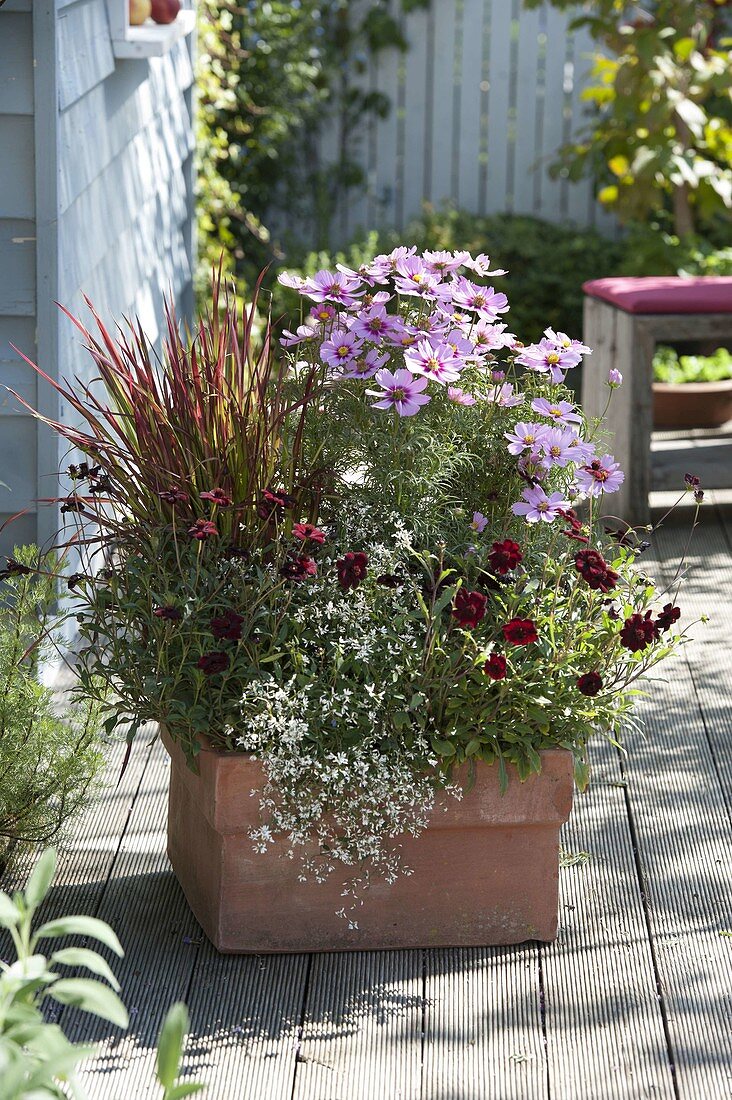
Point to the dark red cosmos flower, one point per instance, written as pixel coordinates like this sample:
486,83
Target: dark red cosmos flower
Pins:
227,626
638,632
352,570
274,503
504,556
590,683
308,532
389,580
73,504
211,663
173,495
495,666
171,614
15,568
202,529
666,618
593,568
299,568
469,608
217,496
520,632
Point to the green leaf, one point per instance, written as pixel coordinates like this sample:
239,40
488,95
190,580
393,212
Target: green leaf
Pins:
443,748
80,926
91,996
178,1092
82,956
9,915
41,878
170,1044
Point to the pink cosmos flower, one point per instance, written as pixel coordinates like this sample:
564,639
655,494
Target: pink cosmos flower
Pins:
481,265
434,324
400,391
365,366
374,324
614,378
444,263
460,397
323,313
524,437
413,277
561,340
547,358
532,467
537,507
438,361
582,450
341,348
295,282
484,300
504,396
459,344
561,412
601,475
302,333
556,447
490,337
333,286
479,522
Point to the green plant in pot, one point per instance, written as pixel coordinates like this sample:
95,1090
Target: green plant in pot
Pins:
361,582
691,391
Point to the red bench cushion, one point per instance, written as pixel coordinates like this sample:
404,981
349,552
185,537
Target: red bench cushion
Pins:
665,294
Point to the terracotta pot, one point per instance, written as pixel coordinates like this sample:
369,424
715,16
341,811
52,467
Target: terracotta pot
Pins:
486,869
692,404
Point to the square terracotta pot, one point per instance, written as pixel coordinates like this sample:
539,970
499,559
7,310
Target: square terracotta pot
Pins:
486,869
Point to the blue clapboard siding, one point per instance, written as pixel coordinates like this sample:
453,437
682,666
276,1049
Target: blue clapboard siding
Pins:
18,467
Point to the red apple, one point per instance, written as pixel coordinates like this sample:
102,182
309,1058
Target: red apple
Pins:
139,12
165,11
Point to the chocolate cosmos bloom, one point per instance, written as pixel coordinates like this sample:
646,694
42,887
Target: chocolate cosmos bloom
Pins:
469,608
173,495
14,568
666,618
495,666
590,683
308,532
352,570
593,568
170,614
274,504
227,626
72,504
638,632
299,568
504,556
211,663
202,529
520,632
217,496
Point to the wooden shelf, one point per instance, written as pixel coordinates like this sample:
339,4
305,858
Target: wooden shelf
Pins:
154,39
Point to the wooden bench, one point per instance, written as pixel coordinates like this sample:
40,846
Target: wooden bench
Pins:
624,320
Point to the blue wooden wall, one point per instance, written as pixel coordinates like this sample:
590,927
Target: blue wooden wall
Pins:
105,210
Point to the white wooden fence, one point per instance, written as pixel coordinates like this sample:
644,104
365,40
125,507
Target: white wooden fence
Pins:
484,97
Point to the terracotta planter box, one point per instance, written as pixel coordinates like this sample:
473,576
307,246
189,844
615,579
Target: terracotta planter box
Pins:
692,404
486,870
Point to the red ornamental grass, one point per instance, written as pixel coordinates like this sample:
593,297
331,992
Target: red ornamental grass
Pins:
495,666
504,556
469,608
209,411
590,683
352,569
520,632
638,632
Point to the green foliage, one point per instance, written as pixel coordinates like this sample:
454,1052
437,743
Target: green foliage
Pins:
47,759
37,1061
661,135
669,366
547,263
272,77
36,1058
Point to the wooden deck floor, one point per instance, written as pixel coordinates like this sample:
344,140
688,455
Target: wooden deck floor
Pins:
634,1000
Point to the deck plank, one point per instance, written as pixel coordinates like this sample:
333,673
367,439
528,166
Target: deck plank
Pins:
605,1029
362,1028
